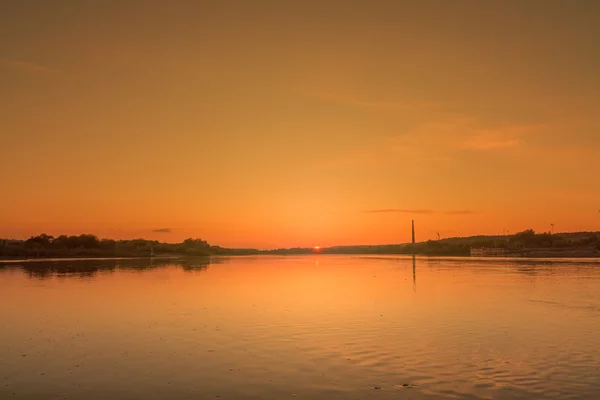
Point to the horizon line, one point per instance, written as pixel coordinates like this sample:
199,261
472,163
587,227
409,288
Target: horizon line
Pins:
305,247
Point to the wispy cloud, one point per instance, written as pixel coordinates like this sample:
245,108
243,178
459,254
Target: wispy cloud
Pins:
447,137
480,143
460,212
391,105
498,138
397,210
163,230
27,66
418,211
358,102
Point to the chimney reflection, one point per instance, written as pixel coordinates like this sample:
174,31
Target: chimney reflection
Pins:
414,274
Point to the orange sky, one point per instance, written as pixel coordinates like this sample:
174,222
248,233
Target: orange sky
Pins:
268,124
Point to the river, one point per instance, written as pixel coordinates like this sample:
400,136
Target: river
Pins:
305,327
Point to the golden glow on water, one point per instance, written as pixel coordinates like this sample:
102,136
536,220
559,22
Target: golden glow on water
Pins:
314,326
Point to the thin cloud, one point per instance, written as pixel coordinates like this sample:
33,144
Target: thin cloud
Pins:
499,138
483,143
419,211
451,136
362,103
27,66
163,230
392,105
397,210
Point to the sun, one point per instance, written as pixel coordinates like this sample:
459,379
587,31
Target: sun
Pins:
317,248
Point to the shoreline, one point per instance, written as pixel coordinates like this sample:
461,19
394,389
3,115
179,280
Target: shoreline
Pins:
542,256
79,258
86,246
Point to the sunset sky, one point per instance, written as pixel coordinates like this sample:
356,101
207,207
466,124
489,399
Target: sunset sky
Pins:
298,123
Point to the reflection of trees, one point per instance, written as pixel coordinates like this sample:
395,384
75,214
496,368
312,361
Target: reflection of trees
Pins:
89,268
80,269
528,269
195,265
519,266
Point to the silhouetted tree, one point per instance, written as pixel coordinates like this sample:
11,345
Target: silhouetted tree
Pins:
61,242
42,240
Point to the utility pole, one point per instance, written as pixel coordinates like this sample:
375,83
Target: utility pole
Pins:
413,231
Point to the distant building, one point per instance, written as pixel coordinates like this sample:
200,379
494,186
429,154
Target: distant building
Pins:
487,252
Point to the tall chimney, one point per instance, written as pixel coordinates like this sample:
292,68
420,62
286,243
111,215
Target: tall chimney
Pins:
413,231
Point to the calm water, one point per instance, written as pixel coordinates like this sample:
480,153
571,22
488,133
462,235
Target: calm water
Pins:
311,327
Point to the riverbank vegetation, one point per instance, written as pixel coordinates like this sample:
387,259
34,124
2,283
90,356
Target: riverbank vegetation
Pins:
560,244
86,245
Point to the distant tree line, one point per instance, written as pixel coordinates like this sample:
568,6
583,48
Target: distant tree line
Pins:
461,246
87,245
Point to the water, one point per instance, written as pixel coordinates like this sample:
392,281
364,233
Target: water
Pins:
311,327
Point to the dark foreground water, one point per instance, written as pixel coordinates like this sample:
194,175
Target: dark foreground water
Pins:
312,327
